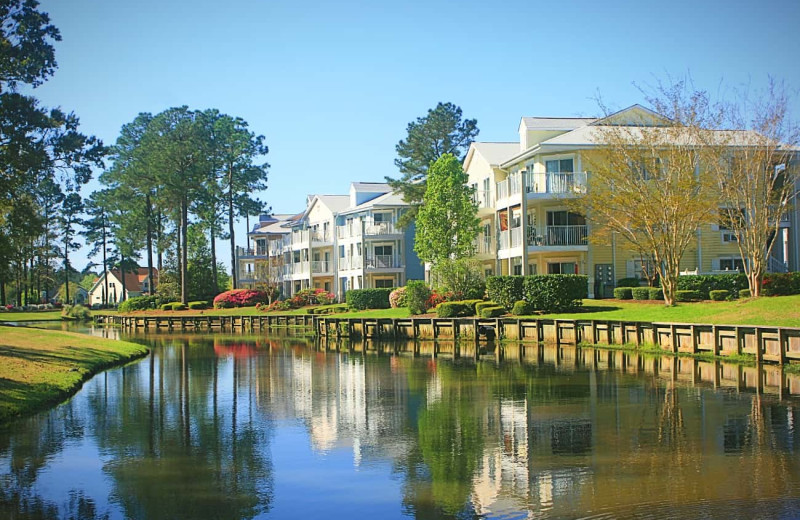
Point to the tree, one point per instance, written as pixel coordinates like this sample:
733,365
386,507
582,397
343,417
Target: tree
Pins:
97,231
442,131
234,151
447,224
643,176
68,219
26,37
757,175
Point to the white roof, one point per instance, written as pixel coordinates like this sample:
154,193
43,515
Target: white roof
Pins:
385,200
555,123
336,203
371,187
496,153
274,225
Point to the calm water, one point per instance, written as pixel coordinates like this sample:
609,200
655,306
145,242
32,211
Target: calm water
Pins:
226,426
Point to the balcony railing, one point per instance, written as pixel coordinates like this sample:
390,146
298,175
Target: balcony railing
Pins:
380,228
557,236
320,235
299,238
249,251
483,199
351,231
383,262
321,266
295,268
556,183
485,244
350,262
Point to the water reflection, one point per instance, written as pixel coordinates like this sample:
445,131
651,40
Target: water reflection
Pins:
233,426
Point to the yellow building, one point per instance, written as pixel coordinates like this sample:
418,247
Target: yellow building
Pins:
521,190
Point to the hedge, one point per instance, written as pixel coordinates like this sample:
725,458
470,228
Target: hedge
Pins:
327,309
362,299
640,293
504,290
744,293
522,308
623,293
656,293
492,312
454,309
548,292
178,306
195,306
629,282
482,305
555,292
167,306
472,305
688,296
719,295
705,283
139,303
417,294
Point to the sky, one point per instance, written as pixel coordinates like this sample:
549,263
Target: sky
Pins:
332,86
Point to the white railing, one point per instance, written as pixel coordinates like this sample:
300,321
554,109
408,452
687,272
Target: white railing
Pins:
485,244
383,262
556,183
502,190
775,265
515,184
557,236
505,239
349,231
299,237
350,262
319,235
483,199
320,266
295,268
258,251
379,228
516,237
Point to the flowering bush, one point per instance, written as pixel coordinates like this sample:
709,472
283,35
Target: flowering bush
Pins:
239,298
435,299
397,298
324,297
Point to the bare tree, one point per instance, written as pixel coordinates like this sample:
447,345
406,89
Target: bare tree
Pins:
757,174
645,183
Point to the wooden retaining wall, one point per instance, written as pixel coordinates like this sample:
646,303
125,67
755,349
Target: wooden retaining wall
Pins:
768,344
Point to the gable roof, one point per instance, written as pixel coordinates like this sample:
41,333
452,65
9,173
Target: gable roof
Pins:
133,279
492,153
385,200
555,123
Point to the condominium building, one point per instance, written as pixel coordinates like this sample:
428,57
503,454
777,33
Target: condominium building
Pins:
521,189
339,242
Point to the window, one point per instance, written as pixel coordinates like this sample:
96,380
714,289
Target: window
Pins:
516,266
381,217
383,250
731,264
559,166
532,269
384,283
565,218
341,251
562,268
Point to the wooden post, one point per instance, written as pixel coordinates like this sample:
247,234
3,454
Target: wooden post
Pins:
674,335
594,332
715,333
739,340
759,352
694,339
783,347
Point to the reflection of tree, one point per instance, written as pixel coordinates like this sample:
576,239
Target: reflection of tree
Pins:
671,431
203,464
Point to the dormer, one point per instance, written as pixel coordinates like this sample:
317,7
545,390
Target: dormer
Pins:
534,130
361,192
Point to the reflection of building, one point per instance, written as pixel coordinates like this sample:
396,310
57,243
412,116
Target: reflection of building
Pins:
338,242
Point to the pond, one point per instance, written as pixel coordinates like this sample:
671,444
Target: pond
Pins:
254,426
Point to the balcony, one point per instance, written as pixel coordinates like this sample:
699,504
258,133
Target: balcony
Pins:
550,236
321,236
556,183
383,262
485,245
350,262
242,252
321,267
351,231
380,228
297,268
483,199
299,239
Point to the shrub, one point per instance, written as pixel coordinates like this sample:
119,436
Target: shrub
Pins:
139,303
719,295
76,312
482,305
167,306
640,293
178,306
472,304
453,309
397,298
781,284
656,293
555,292
368,298
744,293
198,305
324,297
492,312
417,294
705,283
504,290
522,308
327,309
688,296
623,293
277,305
629,282
239,298
436,298
462,277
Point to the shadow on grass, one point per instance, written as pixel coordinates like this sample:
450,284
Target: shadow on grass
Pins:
586,309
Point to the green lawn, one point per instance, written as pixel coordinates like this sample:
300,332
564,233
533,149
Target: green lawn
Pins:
30,316
42,367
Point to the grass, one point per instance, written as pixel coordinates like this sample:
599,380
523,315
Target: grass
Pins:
39,368
30,316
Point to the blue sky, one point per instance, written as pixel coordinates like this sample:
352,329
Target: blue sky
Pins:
332,85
